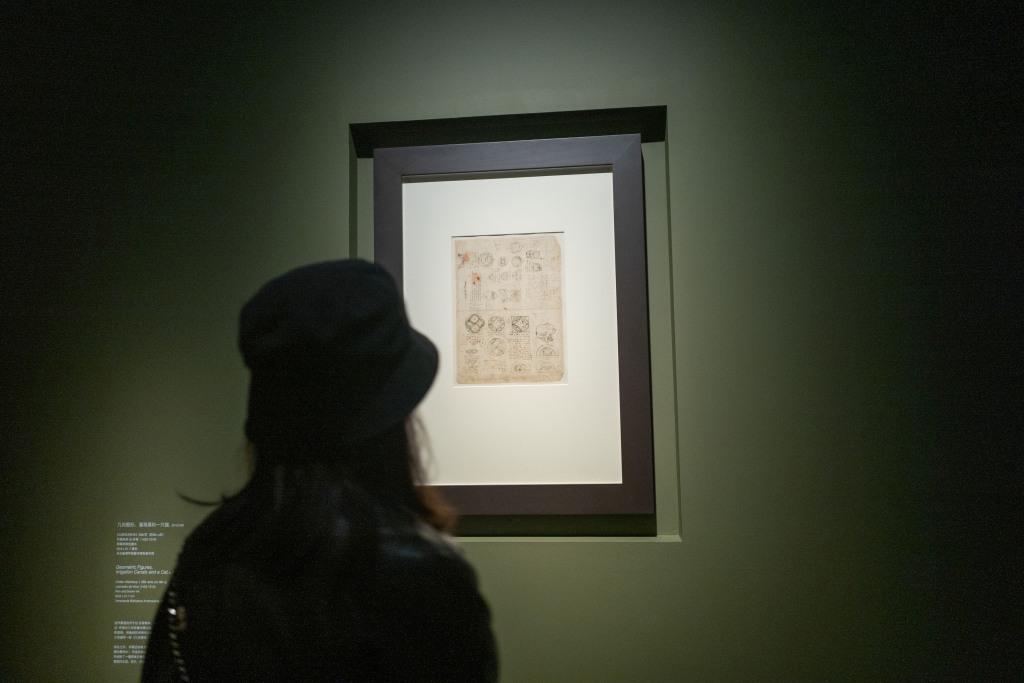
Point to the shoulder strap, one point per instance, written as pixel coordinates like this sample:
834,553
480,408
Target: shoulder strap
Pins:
176,625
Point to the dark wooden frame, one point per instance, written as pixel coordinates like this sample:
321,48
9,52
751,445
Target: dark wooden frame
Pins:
622,155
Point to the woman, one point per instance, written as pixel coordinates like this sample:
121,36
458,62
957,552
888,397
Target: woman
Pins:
331,564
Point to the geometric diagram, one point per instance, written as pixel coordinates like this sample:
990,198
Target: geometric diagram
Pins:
496,347
546,332
496,323
474,323
520,323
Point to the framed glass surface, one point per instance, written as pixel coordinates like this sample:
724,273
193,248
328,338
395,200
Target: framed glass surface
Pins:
555,221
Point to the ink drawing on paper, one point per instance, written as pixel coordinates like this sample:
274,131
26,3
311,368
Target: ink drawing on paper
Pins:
508,309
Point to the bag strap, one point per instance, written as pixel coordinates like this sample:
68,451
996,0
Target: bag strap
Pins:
176,624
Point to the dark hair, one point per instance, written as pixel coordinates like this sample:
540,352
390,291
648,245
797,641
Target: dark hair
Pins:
302,494
385,470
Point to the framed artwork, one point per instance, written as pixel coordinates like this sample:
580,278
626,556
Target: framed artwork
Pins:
525,262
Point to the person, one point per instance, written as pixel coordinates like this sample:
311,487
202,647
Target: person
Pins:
333,563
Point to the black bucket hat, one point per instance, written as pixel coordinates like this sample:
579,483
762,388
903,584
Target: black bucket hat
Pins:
332,355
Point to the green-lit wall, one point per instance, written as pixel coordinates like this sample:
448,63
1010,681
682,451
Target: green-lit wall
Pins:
168,162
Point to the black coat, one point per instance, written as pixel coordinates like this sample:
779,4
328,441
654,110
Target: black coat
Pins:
405,608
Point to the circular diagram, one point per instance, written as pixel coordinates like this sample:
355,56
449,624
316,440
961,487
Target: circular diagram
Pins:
496,347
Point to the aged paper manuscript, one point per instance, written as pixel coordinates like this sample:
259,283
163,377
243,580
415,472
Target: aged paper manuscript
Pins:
508,309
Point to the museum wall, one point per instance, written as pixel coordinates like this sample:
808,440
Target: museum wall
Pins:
165,162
